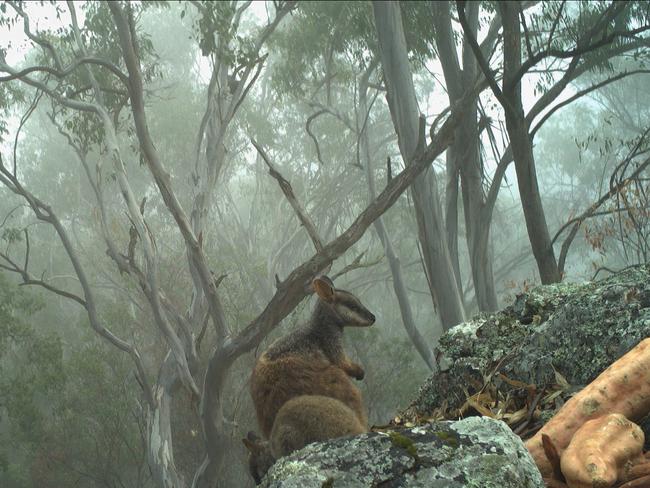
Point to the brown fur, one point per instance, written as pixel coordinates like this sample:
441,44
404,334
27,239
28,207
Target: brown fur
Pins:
301,421
311,360
312,418
274,382
260,458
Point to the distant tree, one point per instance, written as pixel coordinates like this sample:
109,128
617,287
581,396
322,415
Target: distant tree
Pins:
601,32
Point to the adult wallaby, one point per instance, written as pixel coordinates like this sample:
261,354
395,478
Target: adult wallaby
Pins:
301,421
311,360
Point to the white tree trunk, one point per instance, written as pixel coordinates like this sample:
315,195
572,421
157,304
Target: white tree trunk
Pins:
405,114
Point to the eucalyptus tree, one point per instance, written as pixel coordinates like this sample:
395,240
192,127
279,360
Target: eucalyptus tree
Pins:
405,113
330,64
600,32
90,72
466,160
612,152
479,192
89,95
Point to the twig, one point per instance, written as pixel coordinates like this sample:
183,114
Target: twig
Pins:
23,120
310,119
357,264
531,412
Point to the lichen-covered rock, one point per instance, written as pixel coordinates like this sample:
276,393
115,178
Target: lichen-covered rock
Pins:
563,333
472,453
576,330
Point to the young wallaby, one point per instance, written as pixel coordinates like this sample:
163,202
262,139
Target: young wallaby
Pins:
300,421
311,360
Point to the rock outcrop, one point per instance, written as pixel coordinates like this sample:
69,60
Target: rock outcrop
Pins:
519,364
550,334
475,452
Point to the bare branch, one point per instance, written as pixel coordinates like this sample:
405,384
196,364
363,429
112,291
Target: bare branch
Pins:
160,175
480,58
310,119
357,264
9,214
584,92
260,64
23,120
27,249
86,60
285,186
615,189
522,19
46,214
29,279
334,113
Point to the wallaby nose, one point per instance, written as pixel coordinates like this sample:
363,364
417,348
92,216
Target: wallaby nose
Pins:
372,319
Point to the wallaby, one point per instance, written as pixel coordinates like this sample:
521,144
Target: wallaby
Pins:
300,421
311,360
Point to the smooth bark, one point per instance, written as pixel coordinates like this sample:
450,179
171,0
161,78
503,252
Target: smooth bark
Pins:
522,148
399,287
405,114
464,158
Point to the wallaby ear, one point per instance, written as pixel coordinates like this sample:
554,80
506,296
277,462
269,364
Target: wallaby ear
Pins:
327,279
324,288
252,446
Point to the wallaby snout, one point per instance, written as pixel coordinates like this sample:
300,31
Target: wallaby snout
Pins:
339,306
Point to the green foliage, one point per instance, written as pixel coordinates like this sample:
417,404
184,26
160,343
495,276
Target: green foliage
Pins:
219,38
65,411
331,38
215,21
99,38
11,93
14,303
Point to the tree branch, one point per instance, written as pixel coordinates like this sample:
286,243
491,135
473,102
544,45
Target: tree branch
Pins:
160,175
582,47
615,188
46,214
285,186
62,73
584,92
310,119
480,58
44,43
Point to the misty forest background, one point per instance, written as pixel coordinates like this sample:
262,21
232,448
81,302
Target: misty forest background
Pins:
174,174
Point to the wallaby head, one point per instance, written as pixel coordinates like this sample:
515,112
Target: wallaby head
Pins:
260,458
340,305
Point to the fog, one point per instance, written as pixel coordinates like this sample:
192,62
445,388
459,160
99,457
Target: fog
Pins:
174,175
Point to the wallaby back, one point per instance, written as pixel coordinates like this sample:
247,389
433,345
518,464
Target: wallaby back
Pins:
275,382
301,421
